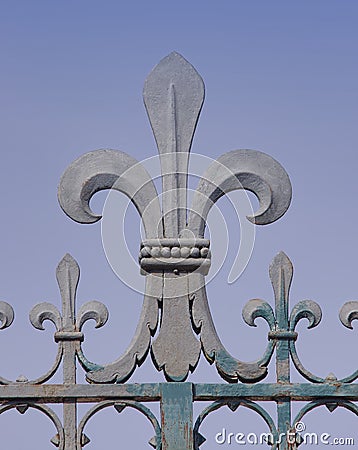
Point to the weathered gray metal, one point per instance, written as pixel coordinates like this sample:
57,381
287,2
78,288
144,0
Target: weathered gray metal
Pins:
175,258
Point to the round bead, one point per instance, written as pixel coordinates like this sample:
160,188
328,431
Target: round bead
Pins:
155,252
195,252
175,252
184,252
145,252
165,251
204,252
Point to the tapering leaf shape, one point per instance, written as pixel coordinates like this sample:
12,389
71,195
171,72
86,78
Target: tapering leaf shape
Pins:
68,275
281,273
173,96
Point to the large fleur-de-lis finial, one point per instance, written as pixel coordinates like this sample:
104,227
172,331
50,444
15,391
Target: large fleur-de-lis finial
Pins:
175,255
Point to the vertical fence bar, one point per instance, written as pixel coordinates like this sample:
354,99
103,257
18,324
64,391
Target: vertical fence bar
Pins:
68,276
281,272
176,408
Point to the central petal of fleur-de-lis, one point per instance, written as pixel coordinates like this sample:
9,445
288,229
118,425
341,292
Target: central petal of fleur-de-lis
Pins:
175,256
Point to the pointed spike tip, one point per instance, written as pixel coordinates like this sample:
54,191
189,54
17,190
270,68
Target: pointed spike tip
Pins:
56,440
153,442
199,439
22,408
69,259
281,260
331,406
119,407
233,405
331,378
85,440
282,257
175,54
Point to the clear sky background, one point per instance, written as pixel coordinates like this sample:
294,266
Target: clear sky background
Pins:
280,76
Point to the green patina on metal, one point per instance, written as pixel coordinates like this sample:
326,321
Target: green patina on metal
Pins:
176,325
177,415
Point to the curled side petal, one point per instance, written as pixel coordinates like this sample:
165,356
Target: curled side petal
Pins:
6,315
45,311
109,169
310,310
258,308
306,309
348,313
92,310
242,169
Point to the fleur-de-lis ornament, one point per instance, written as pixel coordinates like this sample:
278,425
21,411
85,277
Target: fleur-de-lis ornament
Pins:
175,256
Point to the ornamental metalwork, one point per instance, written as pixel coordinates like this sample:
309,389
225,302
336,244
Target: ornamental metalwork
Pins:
176,325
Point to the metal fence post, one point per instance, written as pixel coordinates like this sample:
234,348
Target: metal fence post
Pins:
176,411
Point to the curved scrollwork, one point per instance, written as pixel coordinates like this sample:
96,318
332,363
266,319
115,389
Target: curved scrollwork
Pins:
121,369
92,310
6,315
283,325
106,169
347,314
175,257
233,405
310,310
254,309
261,174
242,169
330,404
38,315
155,442
68,327
228,367
98,312
59,439
45,311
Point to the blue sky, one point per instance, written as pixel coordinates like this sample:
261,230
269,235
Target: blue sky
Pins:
281,77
